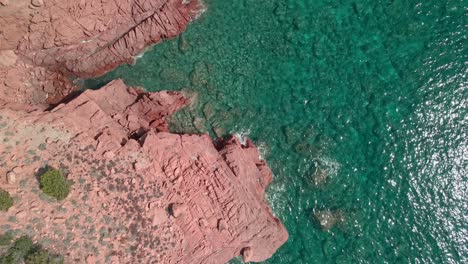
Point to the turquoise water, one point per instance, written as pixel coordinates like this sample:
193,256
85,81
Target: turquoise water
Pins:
360,109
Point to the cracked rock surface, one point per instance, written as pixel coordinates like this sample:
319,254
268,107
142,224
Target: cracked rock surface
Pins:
140,193
45,43
89,38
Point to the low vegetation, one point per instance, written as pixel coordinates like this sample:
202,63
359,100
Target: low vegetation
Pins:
23,250
54,184
5,200
5,239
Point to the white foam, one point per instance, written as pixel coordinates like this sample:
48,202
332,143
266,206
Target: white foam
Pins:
140,55
262,150
242,136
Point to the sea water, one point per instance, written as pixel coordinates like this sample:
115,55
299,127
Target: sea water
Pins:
358,106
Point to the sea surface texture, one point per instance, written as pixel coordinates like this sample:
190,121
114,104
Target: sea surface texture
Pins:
360,107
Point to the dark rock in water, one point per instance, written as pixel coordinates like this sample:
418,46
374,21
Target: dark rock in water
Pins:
183,45
327,219
320,176
289,134
209,111
200,74
174,76
329,247
199,124
219,131
306,148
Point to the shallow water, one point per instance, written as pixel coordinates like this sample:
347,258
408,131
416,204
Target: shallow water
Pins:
360,109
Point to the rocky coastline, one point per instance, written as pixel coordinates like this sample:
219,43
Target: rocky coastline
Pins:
140,193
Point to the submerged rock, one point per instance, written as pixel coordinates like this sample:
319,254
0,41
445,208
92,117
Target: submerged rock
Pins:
319,174
327,219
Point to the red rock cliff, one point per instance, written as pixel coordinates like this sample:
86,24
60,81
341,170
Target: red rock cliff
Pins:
140,193
43,42
89,38
154,196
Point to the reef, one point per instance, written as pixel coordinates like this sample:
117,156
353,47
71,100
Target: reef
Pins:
139,193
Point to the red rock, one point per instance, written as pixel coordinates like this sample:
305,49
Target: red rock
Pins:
103,35
95,110
256,228
160,216
247,254
115,142
90,259
7,58
178,210
11,177
21,214
61,39
37,3
222,225
214,193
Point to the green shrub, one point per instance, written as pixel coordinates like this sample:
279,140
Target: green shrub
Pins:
41,256
54,184
25,251
18,251
5,200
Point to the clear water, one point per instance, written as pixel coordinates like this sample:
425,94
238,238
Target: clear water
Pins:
360,108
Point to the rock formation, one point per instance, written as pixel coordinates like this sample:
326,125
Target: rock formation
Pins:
140,194
89,38
44,43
